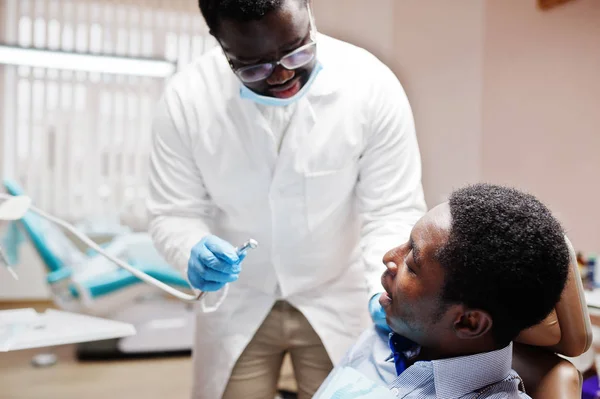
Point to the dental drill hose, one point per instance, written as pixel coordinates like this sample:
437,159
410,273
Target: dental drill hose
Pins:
137,273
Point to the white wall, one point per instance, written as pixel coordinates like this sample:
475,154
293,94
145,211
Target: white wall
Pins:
2,100
31,283
32,277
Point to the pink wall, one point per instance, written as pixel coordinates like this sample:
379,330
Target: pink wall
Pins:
438,58
541,108
436,49
501,92
368,24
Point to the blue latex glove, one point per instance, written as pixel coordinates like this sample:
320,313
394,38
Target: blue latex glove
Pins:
378,314
213,263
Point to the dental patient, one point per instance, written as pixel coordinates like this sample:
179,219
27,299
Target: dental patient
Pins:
476,272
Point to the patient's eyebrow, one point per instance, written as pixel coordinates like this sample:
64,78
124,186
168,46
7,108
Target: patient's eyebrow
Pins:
416,252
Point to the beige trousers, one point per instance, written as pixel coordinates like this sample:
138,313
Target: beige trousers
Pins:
285,330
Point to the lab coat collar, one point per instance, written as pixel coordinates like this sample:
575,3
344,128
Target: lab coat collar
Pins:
328,80
304,119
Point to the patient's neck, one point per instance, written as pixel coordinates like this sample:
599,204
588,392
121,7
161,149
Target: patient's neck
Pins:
457,348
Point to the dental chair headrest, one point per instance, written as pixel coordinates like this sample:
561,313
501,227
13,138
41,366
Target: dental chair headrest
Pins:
567,330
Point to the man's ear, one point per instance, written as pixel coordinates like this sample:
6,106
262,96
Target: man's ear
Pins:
471,324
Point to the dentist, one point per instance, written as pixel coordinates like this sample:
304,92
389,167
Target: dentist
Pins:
306,144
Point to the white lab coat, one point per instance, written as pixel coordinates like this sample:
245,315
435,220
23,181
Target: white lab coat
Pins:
344,188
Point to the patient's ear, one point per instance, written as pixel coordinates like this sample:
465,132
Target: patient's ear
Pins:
472,324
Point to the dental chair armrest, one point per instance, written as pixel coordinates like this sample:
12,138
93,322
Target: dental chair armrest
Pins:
546,375
60,282
59,275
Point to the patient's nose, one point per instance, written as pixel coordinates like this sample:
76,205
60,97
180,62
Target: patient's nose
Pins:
392,258
392,255
392,268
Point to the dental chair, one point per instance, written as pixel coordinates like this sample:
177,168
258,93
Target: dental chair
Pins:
89,283
567,332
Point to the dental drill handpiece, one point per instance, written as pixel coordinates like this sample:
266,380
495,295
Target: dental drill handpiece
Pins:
250,244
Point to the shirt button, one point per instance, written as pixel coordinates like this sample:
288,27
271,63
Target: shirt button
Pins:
395,391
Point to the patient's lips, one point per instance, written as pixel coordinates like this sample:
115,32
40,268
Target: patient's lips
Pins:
385,300
386,280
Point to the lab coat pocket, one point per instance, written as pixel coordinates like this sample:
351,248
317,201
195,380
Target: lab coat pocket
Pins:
328,197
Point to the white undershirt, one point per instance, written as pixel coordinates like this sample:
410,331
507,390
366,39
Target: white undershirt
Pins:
279,120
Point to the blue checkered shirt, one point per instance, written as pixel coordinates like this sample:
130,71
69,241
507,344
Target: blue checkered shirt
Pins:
485,375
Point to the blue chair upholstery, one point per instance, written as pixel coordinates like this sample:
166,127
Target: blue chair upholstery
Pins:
63,259
32,223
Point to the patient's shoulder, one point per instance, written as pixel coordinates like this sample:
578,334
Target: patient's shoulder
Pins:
505,395
509,388
367,344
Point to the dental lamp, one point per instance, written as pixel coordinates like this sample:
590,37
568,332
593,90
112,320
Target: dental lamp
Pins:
15,207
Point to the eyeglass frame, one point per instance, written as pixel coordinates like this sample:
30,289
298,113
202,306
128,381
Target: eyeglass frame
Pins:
274,64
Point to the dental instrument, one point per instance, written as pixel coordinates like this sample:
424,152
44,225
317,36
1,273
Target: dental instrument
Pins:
250,244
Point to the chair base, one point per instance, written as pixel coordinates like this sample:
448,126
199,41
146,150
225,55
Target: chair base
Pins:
286,395
109,350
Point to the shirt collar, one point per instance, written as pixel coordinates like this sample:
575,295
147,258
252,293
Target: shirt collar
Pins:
459,376
329,80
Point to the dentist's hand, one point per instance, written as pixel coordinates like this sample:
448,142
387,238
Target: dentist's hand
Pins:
378,314
213,263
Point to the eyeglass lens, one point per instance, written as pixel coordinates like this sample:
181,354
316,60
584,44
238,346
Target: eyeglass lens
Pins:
295,60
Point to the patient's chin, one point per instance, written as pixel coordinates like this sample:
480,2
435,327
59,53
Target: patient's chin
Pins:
398,328
406,328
